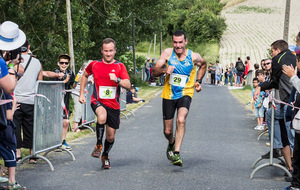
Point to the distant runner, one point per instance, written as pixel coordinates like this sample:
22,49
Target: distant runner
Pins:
178,90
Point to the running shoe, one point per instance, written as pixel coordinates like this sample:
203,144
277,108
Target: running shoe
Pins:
291,188
97,151
105,163
176,160
259,127
170,151
13,186
3,179
66,146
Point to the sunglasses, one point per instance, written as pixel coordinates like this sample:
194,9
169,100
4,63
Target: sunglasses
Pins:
66,63
267,63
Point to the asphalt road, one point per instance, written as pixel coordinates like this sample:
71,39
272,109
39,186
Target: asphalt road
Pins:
218,150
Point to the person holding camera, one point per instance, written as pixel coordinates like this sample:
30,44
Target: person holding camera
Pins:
11,38
24,93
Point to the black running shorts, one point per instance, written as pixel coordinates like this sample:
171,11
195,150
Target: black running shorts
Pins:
113,115
170,106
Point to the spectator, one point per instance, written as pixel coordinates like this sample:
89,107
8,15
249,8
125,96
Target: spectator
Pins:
147,69
240,67
258,105
208,76
68,78
231,72
213,74
11,39
24,94
294,79
256,68
281,56
245,74
226,74
218,73
132,97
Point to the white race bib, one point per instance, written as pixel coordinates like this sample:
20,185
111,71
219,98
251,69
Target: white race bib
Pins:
107,92
177,80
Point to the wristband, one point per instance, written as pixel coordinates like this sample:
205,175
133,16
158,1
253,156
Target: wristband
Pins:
199,80
11,65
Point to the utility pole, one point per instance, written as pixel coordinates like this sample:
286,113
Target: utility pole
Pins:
133,46
160,45
154,46
70,35
286,20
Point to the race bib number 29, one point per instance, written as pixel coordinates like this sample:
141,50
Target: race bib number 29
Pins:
107,92
177,80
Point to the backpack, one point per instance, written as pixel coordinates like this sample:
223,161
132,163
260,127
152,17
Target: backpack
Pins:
240,66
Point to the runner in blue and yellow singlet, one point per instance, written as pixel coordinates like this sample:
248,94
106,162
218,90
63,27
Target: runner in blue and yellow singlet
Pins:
178,90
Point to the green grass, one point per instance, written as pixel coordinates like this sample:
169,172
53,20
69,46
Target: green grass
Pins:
243,96
256,9
230,3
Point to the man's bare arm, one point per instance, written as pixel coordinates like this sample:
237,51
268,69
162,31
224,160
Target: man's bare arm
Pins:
201,63
83,82
157,69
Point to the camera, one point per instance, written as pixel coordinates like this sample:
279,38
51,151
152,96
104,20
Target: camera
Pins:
15,52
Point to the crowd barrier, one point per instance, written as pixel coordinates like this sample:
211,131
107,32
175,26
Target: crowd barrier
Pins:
271,162
123,103
88,115
47,125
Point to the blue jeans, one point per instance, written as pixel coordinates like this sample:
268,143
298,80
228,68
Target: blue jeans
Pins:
277,136
238,79
148,74
280,114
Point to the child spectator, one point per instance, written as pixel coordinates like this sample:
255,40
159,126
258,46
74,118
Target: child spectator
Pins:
256,67
68,78
259,110
226,74
131,96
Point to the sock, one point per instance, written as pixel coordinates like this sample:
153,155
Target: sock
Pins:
63,141
175,152
171,145
107,147
99,133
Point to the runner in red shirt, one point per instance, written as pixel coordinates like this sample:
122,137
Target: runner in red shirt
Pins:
109,76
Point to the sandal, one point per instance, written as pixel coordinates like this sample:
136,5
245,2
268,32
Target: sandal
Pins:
13,186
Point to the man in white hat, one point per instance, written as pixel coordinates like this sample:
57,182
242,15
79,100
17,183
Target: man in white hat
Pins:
11,38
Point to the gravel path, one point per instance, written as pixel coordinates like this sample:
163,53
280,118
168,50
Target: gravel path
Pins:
250,33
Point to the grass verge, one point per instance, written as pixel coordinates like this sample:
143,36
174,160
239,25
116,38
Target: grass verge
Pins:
243,96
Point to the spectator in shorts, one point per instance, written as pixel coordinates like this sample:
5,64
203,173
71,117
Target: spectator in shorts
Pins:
245,75
258,105
24,94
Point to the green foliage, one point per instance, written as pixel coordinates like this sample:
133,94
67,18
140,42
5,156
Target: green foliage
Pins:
257,9
200,19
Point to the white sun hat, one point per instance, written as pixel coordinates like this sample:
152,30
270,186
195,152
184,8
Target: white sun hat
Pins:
11,37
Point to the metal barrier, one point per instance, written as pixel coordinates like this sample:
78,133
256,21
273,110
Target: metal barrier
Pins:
271,162
88,115
48,122
123,103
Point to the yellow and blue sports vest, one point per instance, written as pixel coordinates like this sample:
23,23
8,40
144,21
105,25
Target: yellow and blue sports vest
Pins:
182,67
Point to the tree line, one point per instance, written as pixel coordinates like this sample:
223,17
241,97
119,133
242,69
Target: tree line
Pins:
45,24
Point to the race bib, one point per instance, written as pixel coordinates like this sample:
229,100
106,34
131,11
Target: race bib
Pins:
107,92
177,80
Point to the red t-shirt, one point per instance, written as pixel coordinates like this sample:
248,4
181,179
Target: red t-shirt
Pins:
106,91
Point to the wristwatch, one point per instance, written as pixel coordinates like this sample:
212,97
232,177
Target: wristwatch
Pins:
199,80
118,80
